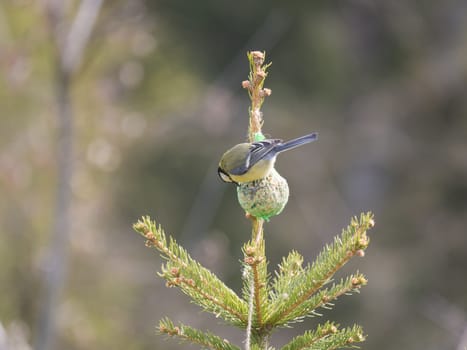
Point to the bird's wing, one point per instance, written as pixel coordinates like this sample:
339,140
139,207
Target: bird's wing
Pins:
258,150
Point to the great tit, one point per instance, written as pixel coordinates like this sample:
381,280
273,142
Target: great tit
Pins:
247,162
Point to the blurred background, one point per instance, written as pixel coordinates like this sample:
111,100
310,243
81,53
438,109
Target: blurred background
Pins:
153,92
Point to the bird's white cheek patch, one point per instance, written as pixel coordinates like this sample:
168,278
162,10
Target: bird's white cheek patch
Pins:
224,177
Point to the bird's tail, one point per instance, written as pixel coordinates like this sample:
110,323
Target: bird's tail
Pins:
296,142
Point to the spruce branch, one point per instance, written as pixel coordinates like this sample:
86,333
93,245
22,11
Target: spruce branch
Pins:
286,275
199,283
192,335
328,337
324,298
311,337
291,267
352,242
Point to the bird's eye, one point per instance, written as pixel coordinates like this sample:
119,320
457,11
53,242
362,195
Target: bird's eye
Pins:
223,176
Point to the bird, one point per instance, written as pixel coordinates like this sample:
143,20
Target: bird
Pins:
246,162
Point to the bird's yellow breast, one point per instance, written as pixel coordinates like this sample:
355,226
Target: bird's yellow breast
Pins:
257,171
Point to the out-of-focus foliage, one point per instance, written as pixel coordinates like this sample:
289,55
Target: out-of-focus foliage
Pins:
156,103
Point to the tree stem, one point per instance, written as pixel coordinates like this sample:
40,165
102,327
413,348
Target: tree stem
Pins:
256,279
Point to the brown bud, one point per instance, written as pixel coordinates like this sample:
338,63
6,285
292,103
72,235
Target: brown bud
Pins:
190,282
257,54
246,84
175,271
360,253
266,92
258,57
250,250
249,260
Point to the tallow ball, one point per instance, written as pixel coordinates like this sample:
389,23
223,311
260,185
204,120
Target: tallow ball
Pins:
265,197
